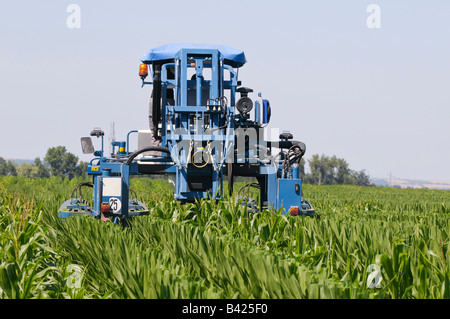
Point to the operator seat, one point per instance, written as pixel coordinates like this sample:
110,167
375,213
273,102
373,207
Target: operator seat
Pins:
192,94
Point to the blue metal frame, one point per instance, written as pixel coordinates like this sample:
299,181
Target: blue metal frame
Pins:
213,135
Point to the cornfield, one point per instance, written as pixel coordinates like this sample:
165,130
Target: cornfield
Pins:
368,242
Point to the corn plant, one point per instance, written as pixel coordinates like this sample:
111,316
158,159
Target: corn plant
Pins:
210,249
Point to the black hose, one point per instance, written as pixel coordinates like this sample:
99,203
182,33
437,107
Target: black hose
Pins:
134,192
294,155
89,184
146,149
289,144
248,186
230,178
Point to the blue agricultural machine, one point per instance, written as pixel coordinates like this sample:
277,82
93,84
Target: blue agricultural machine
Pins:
200,134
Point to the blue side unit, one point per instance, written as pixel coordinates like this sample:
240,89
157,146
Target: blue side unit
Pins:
290,199
202,131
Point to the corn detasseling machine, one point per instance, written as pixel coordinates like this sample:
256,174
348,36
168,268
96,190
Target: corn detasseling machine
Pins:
201,133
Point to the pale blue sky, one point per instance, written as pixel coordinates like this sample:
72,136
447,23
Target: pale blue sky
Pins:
379,98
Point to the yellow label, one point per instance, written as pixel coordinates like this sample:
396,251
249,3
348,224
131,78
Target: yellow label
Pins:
94,168
122,149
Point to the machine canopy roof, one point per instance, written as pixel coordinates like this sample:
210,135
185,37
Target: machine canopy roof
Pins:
233,57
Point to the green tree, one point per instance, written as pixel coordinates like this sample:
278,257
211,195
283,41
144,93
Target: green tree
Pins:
322,170
27,170
42,171
82,169
7,167
61,162
360,178
343,172
327,170
314,176
301,167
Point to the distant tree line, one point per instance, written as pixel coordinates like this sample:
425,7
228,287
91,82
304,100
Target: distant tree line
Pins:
57,162
325,170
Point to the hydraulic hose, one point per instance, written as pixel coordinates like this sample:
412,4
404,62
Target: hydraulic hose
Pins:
74,191
290,144
147,149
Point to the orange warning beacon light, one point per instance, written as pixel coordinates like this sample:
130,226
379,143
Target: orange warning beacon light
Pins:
143,70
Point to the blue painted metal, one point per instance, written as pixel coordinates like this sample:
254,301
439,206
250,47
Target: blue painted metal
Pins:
265,112
234,57
289,194
198,130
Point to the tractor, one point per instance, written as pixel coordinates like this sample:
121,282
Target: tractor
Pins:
204,129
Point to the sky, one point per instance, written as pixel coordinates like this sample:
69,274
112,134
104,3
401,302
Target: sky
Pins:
368,85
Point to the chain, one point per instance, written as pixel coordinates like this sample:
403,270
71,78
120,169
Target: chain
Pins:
188,157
